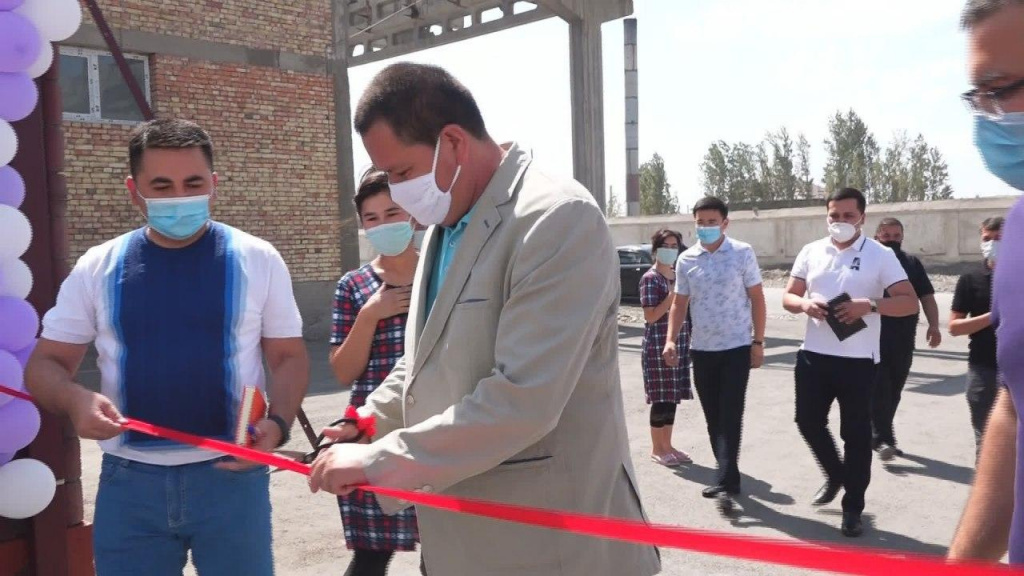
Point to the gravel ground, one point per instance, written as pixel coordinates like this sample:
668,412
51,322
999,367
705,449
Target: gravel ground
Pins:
630,313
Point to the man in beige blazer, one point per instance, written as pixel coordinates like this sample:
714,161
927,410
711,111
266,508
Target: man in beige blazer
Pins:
509,389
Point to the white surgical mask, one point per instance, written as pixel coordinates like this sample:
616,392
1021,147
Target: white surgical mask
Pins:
422,198
841,232
990,250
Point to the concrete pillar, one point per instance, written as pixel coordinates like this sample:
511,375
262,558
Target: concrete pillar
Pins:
587,93
348,236
632,119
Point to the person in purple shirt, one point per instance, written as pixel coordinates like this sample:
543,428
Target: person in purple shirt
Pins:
993,521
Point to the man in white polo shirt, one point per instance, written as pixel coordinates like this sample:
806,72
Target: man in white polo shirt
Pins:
827,369
720,280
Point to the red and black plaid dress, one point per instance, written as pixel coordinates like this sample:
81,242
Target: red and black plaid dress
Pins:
663,383
366,526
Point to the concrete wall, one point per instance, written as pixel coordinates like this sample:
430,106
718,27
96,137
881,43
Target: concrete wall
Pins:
939,232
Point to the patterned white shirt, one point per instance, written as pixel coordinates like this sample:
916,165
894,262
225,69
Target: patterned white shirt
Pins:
717,284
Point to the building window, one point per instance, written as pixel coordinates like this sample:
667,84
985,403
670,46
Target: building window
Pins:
93,90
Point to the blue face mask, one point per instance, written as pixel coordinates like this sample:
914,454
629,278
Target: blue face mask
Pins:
709,234
178,218
667,256
390,239
1001,143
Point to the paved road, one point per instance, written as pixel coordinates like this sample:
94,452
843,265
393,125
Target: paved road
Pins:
912,505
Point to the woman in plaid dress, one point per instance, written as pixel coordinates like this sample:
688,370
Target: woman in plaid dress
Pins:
371,305
665,386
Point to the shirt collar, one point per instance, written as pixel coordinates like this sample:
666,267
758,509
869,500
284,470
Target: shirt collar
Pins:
463,222
858,245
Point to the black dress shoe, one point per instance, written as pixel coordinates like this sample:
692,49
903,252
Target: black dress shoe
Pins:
714,491
826,493
852,526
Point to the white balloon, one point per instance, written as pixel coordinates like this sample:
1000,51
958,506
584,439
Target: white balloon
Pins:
15,279
55,20
15,233
43,61
8,143
29,487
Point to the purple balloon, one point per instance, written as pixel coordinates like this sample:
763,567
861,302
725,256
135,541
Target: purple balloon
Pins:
10,4
19,42
11,375
18,96
19,424
23,354
12,186
6,457
20,325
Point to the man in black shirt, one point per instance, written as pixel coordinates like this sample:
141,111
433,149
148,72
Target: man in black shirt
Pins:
897,342
972,304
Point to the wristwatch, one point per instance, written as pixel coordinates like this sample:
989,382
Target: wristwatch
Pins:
874,305
285,428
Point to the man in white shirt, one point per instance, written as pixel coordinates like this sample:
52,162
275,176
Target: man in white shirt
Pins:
183,312
719,279
827,369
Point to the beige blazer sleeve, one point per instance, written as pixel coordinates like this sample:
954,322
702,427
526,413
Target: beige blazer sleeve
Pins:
385,403
559,283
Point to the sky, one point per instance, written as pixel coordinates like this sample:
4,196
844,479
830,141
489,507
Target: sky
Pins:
730,70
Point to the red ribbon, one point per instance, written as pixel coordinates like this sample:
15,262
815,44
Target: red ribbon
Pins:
814,556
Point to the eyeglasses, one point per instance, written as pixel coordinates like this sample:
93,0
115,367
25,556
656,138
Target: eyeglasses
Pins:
989,102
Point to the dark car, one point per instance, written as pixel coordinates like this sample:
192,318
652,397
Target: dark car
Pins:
634,262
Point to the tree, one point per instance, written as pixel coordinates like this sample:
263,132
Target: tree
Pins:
803,167
782,180
938,176
656,195
716,175
852,152
613,209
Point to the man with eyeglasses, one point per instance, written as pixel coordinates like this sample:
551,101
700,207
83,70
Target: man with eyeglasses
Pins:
993,521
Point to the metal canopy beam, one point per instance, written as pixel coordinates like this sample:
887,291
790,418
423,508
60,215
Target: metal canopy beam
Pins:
561,10
390,28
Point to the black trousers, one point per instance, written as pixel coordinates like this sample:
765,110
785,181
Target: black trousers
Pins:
721,382
982,388
890,377
821,379
374,563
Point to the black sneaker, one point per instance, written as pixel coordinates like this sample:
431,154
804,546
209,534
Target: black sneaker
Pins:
886,452
852,526
714,491
827,493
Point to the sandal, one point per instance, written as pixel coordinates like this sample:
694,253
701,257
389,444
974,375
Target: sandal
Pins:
682,457
670,460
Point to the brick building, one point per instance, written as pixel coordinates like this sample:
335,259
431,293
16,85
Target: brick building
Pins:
253,74
259,77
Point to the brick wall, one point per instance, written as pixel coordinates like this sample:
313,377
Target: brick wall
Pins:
274,151
299,26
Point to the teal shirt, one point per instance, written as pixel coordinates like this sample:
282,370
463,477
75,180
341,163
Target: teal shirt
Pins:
450,238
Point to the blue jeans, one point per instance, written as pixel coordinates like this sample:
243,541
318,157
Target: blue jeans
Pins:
148,518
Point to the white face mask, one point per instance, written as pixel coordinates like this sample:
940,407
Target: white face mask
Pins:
841,232
421,197
990,250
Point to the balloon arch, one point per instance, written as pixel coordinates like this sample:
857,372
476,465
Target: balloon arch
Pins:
27,30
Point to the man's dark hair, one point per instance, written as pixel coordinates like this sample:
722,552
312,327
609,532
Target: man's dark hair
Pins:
372,183
659,238
417,101
711,203
167,133
886,222
977,11
993,224
847,194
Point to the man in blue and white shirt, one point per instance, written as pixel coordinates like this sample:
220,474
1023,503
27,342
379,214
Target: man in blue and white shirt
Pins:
720,281
182,313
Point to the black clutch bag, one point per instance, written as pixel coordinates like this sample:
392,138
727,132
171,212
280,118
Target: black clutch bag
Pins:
839,328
